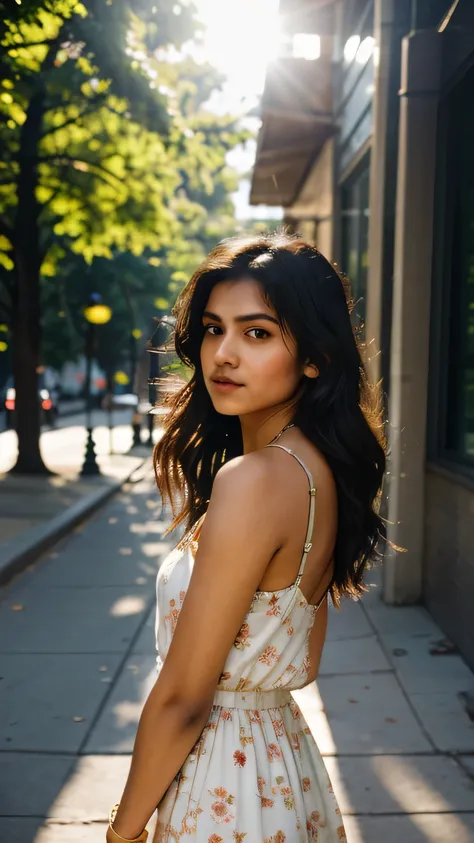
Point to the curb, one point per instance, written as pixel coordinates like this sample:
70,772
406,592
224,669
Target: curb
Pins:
20,552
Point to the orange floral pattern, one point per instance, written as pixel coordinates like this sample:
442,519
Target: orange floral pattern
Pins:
242,638
239,758
269,656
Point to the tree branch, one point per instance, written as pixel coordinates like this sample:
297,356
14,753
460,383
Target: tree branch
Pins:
62,126
70,159
91,104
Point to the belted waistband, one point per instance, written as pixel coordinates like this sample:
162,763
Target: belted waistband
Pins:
275,698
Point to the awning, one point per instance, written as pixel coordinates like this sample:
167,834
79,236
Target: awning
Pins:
296,107
297,120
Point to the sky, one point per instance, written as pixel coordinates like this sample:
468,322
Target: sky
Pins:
241,37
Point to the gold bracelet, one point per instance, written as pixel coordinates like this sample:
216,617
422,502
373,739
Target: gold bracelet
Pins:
142,838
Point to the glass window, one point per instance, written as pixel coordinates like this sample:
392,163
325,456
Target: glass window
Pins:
459,414
355,238
357,19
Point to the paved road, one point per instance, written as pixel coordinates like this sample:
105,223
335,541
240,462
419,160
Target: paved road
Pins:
64,445
77,659
65,408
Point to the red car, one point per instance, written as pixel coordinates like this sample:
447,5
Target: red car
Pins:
48,407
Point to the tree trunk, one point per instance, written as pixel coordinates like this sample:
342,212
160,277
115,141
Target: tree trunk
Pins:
27,312
26,335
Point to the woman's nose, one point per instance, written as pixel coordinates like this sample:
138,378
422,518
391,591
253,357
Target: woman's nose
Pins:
225,351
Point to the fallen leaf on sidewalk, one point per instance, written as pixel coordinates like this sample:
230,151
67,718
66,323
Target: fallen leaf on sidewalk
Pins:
445,647
78,719
17,607
390,719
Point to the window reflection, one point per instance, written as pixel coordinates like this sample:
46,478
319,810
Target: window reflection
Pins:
460,393
355,238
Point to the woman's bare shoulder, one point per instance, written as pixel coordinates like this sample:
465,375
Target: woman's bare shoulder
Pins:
255,465
252,479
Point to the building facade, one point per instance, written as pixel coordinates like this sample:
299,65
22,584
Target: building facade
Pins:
368,144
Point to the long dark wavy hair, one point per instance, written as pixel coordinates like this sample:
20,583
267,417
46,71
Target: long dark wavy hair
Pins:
340,411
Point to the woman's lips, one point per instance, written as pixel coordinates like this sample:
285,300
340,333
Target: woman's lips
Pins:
226,387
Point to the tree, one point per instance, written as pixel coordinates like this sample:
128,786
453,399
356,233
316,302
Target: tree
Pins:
85,165
138,286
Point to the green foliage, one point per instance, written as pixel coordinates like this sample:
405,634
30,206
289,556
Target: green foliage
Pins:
101,172
124,155
116,147
123,162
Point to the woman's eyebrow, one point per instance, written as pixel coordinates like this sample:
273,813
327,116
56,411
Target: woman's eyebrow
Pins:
249,317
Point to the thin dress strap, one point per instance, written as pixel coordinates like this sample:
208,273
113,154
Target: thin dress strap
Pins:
312,492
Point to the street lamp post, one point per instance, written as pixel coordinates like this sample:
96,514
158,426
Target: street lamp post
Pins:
95,313
137,418
152,379
110,413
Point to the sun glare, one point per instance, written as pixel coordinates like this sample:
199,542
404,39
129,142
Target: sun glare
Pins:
241,37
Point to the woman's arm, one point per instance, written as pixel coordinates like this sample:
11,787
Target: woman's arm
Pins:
240,534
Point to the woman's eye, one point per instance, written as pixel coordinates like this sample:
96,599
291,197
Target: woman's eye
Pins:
261,331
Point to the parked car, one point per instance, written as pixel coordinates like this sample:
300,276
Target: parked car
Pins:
48,401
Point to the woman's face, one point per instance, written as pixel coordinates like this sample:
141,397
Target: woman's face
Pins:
243,341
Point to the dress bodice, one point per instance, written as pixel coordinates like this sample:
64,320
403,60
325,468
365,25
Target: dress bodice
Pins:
271,649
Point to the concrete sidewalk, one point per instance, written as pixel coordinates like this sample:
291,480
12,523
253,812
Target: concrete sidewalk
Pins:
77,660
35,511
390,719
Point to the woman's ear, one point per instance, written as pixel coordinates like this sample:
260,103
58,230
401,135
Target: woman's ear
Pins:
311,370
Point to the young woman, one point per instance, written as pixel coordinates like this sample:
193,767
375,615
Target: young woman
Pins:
273,457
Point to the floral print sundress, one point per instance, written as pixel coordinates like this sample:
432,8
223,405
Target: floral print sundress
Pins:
255,775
